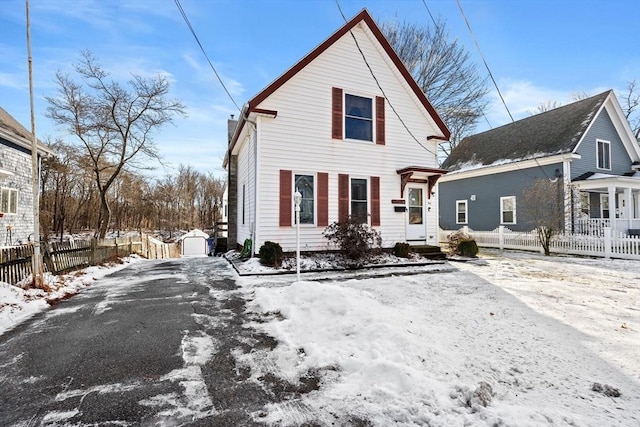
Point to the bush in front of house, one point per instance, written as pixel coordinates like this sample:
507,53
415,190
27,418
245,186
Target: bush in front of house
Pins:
402,250
468,248
462,244
270,254
355,240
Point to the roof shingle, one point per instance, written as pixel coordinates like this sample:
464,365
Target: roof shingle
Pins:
553,132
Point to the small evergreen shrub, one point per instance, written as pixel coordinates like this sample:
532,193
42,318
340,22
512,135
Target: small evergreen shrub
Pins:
462,244
402,250
468,248
355,240
270,254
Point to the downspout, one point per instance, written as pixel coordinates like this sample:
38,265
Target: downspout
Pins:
569,201
254,231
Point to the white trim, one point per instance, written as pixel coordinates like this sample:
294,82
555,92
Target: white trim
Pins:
368,199
620,123
466,211
314,176
374,115
507,167
605,143
10,191
43,150
603,196
502,200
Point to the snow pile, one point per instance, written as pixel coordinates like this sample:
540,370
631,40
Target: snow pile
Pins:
439,349
18,303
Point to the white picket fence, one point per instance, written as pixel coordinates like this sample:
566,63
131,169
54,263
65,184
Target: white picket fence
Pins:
611,245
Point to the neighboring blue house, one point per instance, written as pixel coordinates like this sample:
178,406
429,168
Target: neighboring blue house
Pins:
16,186
586,147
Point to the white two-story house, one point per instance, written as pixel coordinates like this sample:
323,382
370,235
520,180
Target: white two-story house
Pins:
349,128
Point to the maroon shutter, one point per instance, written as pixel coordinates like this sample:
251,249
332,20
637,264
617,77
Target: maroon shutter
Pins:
375,201
380,138
285,198
323,199
336,113
343,197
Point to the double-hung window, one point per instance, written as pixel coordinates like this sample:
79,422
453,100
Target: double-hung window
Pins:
9,201
508,210
359,204
585,204
305,184
358,117
604,206
461,211
603,154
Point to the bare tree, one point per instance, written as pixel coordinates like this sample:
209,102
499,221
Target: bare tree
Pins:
444,71
630,101
543,205
545,106
114,124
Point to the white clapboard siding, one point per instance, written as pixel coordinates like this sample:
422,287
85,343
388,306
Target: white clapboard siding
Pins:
299,139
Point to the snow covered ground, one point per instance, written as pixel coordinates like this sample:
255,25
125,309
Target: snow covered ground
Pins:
17,304
516,340
513,339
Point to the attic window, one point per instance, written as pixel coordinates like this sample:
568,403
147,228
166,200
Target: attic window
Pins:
358,117
603,154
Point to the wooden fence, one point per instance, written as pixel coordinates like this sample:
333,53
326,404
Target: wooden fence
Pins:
62,257
610,245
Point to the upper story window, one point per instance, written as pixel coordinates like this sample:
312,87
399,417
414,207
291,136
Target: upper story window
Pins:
304,184
603,154
508,210
461,211
358,117
9,201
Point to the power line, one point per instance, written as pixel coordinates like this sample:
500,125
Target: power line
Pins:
475,40
379,86
466,83
483,60
186,20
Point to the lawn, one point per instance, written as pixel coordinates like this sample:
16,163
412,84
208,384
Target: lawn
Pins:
511,339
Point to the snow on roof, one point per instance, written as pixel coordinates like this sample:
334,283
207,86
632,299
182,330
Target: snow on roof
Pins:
194,233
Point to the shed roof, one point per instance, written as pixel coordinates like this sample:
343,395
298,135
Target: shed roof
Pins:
13,131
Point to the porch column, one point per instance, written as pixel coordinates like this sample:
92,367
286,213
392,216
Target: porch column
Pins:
612,208
637,205
628,211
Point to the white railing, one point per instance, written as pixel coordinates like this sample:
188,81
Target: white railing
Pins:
596,226
609,245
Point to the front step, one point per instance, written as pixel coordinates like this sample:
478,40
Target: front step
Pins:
428,251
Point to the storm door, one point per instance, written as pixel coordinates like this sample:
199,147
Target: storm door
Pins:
416,218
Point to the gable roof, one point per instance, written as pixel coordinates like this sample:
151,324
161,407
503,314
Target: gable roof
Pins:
13,131
365,17
553,132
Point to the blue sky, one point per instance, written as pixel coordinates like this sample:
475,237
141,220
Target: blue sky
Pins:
538,50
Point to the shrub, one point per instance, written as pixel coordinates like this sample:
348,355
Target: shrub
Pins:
356,241
402,250
270,254
468,248
462,244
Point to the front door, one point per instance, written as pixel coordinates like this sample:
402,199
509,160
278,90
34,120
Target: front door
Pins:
416,218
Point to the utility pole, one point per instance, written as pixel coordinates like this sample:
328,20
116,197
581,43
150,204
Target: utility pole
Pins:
35,171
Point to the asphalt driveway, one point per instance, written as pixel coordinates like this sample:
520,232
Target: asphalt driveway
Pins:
153,344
